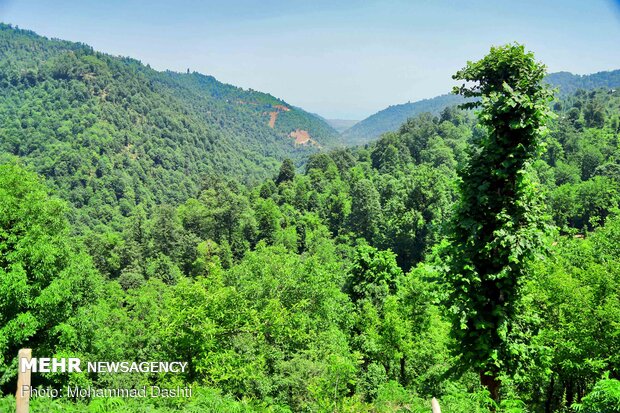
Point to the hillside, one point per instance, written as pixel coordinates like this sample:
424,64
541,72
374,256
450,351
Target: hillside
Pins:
111,130
215,101
275,294
569,83
391,118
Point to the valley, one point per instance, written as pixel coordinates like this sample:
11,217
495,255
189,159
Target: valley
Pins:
462,247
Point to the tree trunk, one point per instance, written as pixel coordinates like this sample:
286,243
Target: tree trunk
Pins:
549,401
490,380
569,393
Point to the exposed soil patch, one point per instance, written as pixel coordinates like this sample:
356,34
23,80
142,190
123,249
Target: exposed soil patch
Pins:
301,136
273,116
272,119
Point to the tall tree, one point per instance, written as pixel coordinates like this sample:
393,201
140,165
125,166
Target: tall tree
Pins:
365,210
497,225
287,172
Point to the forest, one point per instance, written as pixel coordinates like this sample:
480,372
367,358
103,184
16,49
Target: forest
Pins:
299,279
390,118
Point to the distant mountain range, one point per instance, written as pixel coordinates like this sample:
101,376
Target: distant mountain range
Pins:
390,119
341,124
568,83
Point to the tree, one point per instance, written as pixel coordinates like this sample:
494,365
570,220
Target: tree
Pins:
365,210
576,292
268,219
43,276
166,230
605,397
374,274
594,115
287,172
497,224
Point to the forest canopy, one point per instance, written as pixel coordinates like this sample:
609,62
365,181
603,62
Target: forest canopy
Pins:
142,219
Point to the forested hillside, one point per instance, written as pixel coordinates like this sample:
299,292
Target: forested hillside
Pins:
568,83
316,291
111,133
389,119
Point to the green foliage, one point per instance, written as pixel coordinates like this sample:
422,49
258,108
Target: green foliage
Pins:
569,83
373,276
365,210
496,227
574,294
604,398
318,290
123,134
287,172
43,276
203,400
390,119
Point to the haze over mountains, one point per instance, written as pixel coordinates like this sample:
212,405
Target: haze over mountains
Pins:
341,124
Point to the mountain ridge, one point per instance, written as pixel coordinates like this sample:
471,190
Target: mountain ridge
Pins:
101,126
390,118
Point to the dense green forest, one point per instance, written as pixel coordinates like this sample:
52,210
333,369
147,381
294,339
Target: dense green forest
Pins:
569,83
320,288
390,118
114,133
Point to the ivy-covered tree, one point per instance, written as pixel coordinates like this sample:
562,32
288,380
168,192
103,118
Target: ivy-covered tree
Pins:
497,223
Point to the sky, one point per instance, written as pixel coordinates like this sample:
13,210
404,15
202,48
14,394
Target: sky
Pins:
342,59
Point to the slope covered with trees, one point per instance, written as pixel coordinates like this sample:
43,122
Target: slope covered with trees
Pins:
111,131
320,289
391,118
569,83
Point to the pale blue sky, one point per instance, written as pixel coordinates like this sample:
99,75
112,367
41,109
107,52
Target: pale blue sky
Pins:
341,59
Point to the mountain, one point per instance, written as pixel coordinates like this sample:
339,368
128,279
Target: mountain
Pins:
214,100
341,124
569,83
391,118
111,130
